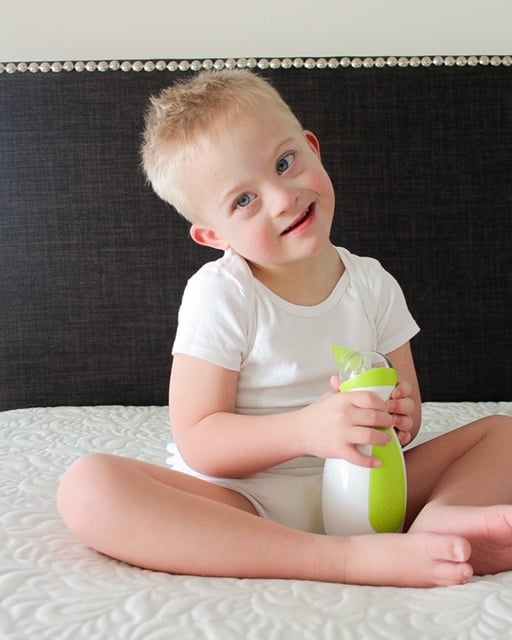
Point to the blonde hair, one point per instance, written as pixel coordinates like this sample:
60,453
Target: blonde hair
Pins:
190,110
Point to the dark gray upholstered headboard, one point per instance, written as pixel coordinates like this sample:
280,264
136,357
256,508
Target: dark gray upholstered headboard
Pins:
93,263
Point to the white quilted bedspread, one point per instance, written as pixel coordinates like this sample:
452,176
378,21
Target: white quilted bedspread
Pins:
52,586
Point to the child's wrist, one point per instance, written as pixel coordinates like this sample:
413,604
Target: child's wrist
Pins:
304,434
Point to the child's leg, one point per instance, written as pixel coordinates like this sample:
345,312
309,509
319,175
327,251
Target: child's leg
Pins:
458,477
160,519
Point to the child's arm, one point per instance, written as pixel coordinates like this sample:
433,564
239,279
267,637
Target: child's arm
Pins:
216,441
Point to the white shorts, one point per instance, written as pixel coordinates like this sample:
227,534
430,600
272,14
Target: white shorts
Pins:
289,493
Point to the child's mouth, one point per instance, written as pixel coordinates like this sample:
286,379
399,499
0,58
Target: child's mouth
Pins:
300,221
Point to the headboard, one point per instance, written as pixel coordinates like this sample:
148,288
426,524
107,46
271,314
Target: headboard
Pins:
93,264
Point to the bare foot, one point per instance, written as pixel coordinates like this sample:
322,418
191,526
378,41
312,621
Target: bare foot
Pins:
488,529
408,560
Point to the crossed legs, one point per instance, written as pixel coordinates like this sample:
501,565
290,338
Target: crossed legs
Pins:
159,519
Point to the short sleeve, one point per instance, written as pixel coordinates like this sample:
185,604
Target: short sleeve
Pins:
384,301
214,320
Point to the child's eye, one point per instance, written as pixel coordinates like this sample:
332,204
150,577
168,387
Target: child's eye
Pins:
245,200
285,163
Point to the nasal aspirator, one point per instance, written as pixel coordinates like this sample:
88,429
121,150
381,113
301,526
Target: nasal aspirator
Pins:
355,499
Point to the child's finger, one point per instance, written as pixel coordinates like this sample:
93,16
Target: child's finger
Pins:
402,390
335,383
404,437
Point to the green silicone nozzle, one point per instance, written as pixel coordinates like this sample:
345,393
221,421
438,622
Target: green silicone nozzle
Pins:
340,353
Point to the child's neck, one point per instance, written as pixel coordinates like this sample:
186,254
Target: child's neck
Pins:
308,282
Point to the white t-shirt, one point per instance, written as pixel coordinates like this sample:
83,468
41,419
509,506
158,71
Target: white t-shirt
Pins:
282,351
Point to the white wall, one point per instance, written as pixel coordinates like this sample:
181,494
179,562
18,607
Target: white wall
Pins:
48,30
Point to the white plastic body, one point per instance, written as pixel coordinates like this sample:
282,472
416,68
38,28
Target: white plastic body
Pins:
346,487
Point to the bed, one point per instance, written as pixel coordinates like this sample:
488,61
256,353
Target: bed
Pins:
93,266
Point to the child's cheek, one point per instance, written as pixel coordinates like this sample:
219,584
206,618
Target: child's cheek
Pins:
320,182
261,241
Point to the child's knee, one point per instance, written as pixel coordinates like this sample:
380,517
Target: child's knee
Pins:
499,422
497,428
80,489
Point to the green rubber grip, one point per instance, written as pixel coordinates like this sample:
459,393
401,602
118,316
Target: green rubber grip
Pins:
388,489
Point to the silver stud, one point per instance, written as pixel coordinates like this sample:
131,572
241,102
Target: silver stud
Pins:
253,63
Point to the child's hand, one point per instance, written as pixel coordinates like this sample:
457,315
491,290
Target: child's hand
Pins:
338,422
401,407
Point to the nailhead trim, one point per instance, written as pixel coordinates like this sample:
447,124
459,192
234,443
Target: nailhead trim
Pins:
253,63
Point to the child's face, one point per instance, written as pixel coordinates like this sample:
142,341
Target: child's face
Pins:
259,187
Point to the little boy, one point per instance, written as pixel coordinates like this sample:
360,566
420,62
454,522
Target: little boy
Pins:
253,400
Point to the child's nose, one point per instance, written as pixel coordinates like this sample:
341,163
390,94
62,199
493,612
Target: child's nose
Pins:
286,199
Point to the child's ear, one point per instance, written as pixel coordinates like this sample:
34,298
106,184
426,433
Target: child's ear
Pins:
313,142
207,237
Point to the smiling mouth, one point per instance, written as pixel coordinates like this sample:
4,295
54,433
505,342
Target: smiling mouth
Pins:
300,221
